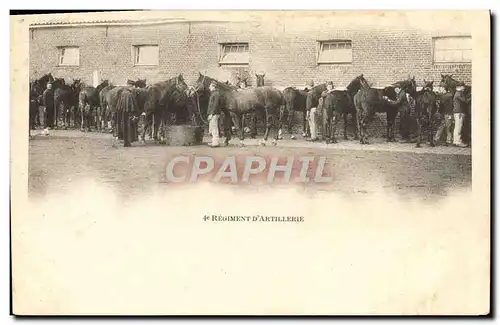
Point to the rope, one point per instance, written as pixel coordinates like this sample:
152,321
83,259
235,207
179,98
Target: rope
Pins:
199,110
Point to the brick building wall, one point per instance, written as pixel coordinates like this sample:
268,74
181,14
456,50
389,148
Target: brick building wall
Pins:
285,50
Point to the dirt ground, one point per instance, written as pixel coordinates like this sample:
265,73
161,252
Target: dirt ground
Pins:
65,157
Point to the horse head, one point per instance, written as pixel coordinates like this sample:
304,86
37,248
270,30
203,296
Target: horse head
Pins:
447,82
260,79
356,84
103,85
181,85
58,82
428,85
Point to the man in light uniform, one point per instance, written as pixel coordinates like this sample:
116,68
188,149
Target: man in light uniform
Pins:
460,103
214,109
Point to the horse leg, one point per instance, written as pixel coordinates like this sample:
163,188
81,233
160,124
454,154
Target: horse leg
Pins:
346,116
391,119
227,127
326,126
253,128
126,128
289,122
333,126
268,125
156,125
241,126
280,122
419,130
355,122
360,128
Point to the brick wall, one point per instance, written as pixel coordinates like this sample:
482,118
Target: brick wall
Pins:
284,50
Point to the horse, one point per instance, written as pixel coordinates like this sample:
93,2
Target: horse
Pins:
241,102
295,101
66,100
164,98
450,84
89,102
103,107
425,107
341,104
369,101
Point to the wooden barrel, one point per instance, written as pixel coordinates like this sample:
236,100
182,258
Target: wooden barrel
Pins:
184,135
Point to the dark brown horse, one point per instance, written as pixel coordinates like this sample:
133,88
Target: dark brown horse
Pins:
237,103
369,101
450,84
295,101
66,101
425,107
89,103
341,103
104,99
166,98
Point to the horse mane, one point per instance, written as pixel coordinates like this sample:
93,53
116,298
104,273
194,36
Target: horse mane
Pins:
220,85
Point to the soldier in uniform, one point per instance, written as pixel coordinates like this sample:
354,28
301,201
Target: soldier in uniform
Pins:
214,110
460,104
48,104
403,106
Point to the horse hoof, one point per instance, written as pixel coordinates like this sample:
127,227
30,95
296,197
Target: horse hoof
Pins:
417,145
262,143
292,137
327,141
432,144
274,142
346,137
242,144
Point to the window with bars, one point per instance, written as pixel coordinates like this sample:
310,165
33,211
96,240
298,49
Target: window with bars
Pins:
69,56
234,54
452,49
146,55
335,52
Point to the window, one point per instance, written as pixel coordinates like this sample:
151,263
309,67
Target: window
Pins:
146,55
69,56
234,54
455,49
335,52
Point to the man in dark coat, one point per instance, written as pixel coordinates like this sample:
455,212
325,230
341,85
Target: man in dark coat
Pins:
214,110
403,106
48,103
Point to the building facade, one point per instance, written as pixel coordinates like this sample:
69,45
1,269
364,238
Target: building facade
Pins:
289,51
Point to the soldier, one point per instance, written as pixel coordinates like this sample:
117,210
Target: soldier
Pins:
314,111
460,103
214,109
48,104
403,106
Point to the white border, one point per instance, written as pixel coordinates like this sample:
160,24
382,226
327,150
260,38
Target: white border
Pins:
178,5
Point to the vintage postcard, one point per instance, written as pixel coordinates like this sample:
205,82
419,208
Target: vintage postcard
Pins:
251,163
